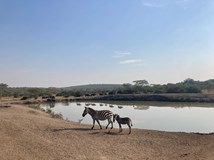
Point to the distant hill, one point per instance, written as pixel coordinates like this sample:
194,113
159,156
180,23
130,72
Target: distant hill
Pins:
94,87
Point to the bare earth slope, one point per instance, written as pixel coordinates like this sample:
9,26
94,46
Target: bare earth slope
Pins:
29,134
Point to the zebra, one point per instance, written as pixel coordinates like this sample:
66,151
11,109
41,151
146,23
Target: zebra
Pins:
125,120
99,115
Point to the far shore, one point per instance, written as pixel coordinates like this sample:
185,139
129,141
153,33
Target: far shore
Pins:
170,97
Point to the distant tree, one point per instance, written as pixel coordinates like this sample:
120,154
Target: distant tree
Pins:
126,85
3,88
141,83
209,85
159,88
34,92
52,90
189,80
192,89
174,88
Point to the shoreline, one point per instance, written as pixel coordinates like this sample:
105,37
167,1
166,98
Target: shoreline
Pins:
171,97
33,104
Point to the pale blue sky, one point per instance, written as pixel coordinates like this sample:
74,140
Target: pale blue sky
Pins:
73,42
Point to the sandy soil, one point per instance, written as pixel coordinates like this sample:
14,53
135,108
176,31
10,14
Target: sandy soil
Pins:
29,134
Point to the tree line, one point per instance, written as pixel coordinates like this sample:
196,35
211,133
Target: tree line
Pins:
137,87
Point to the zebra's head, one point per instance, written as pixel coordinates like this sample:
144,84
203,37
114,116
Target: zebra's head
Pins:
115,117
85,111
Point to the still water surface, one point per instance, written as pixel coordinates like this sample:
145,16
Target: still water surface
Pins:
165,116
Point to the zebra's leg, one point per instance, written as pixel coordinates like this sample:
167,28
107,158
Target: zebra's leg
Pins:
129,128
111,124
93,124
120,128
99,124
108,123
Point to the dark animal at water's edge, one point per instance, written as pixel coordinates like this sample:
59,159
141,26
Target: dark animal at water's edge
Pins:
99,115
24,98
125,120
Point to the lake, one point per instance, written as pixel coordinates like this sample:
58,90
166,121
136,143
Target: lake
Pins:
164,116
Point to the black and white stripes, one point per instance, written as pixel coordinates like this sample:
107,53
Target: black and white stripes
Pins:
99,115
125,120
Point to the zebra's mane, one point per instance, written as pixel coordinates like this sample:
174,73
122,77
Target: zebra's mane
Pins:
91,111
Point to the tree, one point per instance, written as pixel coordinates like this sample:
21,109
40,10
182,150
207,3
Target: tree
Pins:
3,88
189,80
34,92
141,83
127,85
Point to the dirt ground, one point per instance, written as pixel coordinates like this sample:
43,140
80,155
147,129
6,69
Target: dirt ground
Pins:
29,134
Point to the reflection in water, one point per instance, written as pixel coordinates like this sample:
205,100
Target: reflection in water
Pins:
159,104
89,104
120,107
187,117
65,103
52,104
48,105
141,107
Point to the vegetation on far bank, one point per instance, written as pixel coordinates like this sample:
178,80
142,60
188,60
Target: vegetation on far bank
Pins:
138,87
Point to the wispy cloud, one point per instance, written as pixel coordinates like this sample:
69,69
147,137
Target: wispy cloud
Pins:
153,5
131,61
122,56
119,54
166,3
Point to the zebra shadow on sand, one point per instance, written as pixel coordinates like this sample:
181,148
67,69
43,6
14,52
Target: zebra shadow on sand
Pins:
90,131
71,129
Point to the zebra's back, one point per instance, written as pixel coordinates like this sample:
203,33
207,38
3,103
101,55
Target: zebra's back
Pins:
103,115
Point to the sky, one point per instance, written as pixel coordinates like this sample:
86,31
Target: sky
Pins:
59,43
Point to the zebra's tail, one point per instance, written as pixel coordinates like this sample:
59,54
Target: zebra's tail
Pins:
131,122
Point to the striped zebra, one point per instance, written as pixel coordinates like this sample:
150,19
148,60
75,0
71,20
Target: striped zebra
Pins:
99,115
125,120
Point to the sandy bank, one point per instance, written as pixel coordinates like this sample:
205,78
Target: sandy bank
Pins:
30,134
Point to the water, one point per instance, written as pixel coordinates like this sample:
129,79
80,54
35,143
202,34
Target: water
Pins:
179,117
